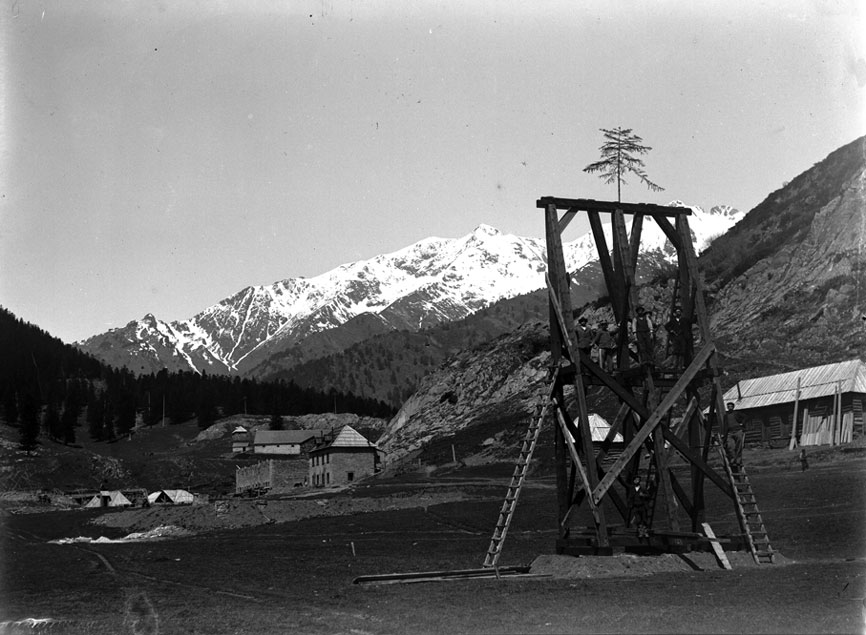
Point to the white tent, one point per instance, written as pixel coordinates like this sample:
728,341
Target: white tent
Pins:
171,497
180,496
599,429
112,499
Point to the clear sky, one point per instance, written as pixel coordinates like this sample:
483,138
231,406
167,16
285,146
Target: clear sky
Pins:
159,156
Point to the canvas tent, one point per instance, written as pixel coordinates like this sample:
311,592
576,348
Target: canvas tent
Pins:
109,499
599,428
170,497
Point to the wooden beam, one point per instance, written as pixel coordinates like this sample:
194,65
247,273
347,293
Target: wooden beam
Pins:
717,547
615,285
693,419
661,459
793,443
585,433
556,271
560,303
700,307
668,229
614,496
634,239
589,205
681,494
683,448
564,331
654,419
623,261
566,219
584,476
617,388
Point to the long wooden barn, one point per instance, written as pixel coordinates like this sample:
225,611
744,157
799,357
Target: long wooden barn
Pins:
827,402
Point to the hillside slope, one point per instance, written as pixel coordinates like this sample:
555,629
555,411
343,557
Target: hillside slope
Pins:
796,297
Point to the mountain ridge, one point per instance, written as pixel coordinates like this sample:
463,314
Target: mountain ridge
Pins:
432,281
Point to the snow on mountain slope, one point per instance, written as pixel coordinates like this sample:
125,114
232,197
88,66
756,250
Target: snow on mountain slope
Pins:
431,281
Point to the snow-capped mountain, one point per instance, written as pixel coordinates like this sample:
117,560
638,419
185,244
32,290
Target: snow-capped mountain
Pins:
435,280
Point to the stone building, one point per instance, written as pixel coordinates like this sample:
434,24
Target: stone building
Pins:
342,457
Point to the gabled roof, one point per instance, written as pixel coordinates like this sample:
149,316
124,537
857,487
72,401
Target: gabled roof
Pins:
285,437
239,430
176,496
115,499
347,437
599,427
815,382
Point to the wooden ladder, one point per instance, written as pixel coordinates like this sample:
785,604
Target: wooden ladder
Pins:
748,514
506,513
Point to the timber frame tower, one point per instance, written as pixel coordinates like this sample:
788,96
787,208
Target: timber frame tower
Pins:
647,393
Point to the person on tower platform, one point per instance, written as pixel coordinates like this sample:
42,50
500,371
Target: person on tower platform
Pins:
606,347
643,330
678,331
585,337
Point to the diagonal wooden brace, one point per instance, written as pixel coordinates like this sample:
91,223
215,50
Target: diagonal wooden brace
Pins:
584,478
655,418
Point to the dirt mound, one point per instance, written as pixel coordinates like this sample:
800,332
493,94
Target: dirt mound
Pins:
630,565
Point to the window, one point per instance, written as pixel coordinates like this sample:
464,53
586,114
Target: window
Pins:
350,476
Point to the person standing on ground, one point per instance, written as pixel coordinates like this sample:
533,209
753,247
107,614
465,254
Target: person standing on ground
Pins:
734,437
804,462
642,329
584,337
638,499
606,347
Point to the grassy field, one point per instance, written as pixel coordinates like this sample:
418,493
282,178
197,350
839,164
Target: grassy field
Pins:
298,576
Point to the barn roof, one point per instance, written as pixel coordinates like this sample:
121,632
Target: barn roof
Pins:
285,437
348,437
815,382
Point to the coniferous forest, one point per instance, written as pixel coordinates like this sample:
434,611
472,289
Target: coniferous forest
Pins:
53,390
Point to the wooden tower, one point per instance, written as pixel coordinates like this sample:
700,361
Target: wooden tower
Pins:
590,485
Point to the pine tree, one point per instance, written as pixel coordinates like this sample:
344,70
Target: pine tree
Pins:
51,422
68,421
618,157
206,409
29,417
10,405
96,417
276,422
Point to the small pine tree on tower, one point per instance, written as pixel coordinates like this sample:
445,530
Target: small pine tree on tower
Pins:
618,156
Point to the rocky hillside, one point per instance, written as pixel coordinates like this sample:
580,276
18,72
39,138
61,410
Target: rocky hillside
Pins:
492,387
788,283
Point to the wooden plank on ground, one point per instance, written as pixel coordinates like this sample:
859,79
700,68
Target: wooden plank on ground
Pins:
717,546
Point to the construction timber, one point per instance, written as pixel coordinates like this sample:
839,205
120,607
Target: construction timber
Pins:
596,498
